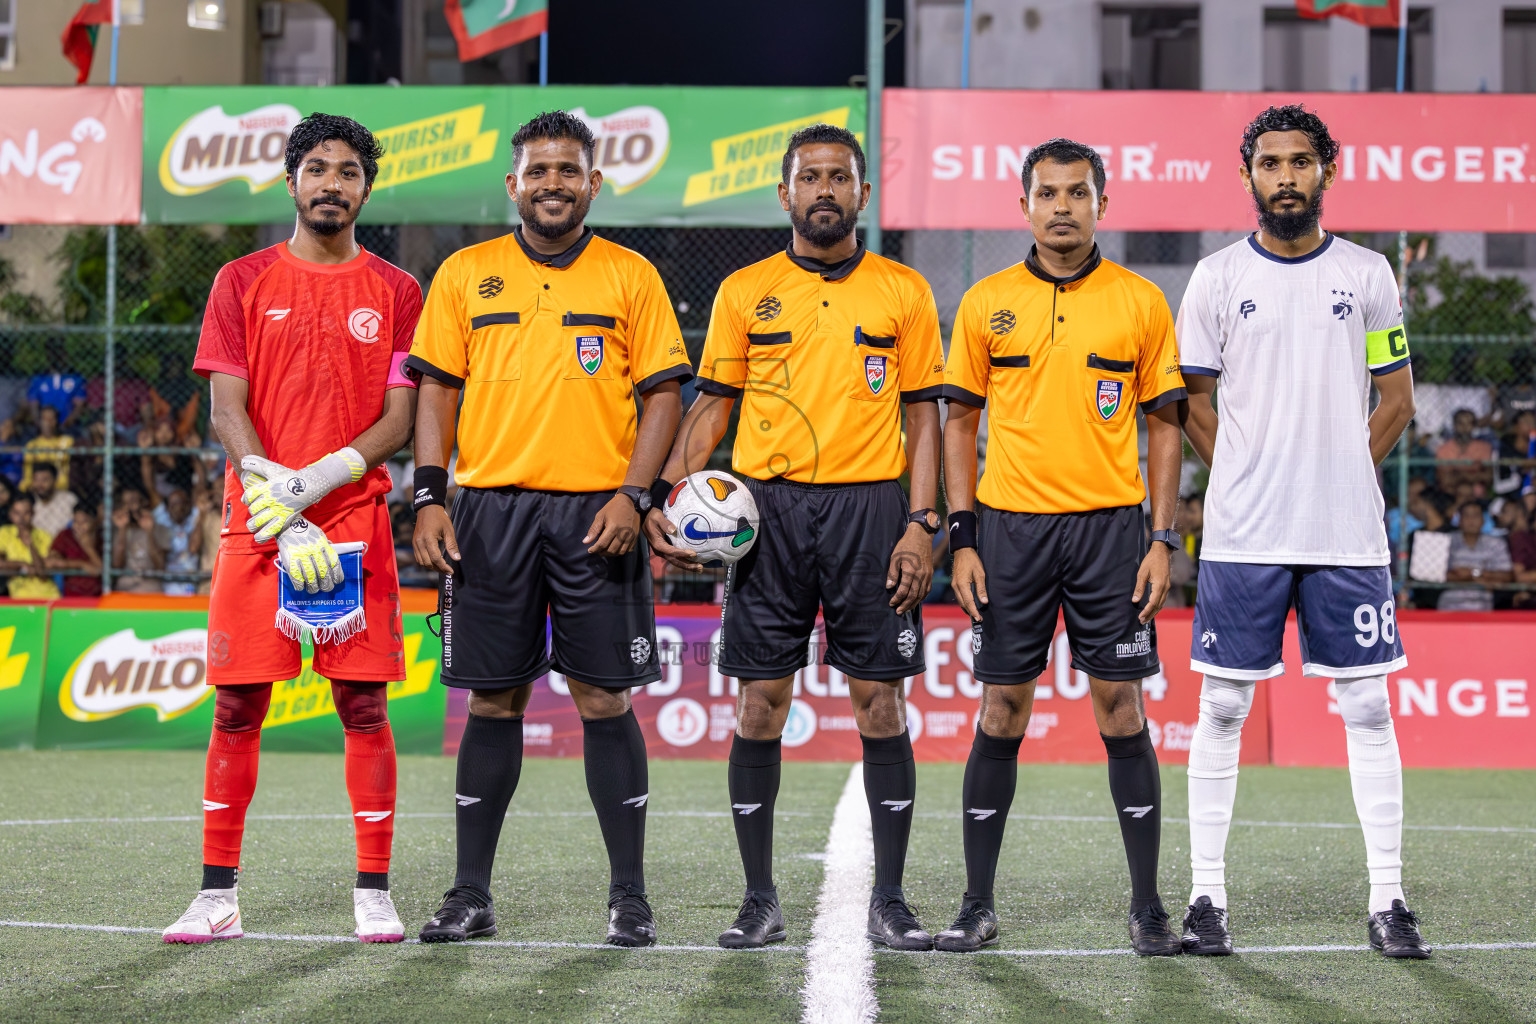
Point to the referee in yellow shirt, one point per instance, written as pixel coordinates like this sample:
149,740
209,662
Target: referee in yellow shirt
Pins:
1063,348
549,333
826,346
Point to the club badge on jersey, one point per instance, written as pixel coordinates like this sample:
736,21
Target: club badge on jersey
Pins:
589,352
874,373
328,616
1109,398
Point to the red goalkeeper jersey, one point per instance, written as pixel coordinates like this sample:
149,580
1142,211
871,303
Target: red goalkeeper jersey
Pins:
319,345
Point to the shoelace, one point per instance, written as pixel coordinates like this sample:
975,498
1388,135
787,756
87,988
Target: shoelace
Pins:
1401,925
630,902
754,907
457,899
1205,921
377,906
1153,916
896,910
970,919
203,906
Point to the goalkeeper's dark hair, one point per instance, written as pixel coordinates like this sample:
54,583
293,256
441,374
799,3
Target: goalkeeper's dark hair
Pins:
554,124
318,128
812,134
1291,118
1064,151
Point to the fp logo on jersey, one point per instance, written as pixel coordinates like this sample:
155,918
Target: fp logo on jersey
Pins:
364,323
874,373
1109,398
589,352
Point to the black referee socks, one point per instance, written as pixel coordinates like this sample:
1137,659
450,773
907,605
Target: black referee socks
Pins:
1138,796
619,784
753,781
890,785
490,763
991,775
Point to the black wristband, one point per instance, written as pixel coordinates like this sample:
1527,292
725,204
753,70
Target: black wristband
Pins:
962,530
660,490
431,487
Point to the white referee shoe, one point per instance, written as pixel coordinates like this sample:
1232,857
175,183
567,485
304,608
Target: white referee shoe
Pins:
213,915
376,917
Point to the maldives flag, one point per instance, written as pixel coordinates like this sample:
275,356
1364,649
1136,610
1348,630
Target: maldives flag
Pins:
80,35
484,26
1371,13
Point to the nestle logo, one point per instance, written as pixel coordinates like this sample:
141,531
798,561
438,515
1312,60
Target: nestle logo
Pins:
181,647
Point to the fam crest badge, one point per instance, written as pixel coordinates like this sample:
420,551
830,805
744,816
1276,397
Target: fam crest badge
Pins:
874,373
1109,398
589,352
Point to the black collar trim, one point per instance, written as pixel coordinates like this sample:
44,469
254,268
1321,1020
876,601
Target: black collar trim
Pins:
560,260
1094,259
828,271
1314,254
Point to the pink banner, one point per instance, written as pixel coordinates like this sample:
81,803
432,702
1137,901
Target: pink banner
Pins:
1415,162
71,156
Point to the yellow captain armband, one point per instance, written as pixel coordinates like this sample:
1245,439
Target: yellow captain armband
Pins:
1386,348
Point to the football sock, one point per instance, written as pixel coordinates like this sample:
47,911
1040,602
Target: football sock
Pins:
1213,755
229,782
753,781
370,770
619,784
890,786
1376,777
1137,792
490,763
373,880
991,775
216,876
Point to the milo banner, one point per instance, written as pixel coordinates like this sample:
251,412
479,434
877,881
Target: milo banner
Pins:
139,679
23,637
669,156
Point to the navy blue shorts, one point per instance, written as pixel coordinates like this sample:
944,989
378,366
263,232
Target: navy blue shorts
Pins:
1345,616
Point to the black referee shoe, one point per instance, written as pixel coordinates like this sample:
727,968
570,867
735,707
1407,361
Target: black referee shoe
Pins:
758,922
975,927
465,914
1151,934
630,922
892,923
1205,929
1395,933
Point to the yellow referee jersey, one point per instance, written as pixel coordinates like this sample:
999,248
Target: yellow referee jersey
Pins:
1061,365
550,351
822,357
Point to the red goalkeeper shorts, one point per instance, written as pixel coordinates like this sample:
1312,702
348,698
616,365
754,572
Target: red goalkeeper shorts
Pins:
244,644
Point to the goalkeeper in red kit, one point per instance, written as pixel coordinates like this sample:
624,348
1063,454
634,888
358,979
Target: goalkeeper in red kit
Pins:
304,345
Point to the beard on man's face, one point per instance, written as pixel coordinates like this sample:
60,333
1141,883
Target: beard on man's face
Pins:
326,225
1289,225
823,234
529,211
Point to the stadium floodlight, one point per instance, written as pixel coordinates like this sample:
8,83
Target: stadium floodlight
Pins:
210,14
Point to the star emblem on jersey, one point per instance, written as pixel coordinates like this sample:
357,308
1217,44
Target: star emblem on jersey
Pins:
768,308
639,650
1108,398
906,643
490,287
589,352
364,323
1002,321
1344,303
1245,307
874,373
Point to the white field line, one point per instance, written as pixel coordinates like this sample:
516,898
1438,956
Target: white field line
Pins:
348,817
511,944
1240,822
840,965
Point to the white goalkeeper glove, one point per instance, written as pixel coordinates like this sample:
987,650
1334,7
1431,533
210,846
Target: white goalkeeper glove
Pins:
305,553
276,494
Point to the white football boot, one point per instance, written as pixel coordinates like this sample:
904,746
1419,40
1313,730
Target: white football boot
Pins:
213,915
376,917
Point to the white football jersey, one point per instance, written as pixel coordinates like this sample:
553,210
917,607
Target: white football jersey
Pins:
1293,344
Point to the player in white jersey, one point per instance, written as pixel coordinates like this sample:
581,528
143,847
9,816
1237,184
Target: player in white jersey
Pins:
1295,324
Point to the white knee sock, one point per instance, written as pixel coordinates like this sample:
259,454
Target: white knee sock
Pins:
1376,776
1213,753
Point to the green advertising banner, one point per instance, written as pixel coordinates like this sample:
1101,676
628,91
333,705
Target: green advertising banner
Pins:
138,679
23,638
669,155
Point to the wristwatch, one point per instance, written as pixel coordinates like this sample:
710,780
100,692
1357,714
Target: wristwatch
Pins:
641,496
1169,537
927,518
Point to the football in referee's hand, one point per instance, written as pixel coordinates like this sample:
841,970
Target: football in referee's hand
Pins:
715,516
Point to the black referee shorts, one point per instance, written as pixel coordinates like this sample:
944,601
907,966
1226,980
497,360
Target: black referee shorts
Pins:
1082,562
826,546
522,558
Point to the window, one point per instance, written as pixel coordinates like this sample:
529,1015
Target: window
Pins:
1520,49
1162,247
1151,48
1509,251
1418,75
1295,51
7,35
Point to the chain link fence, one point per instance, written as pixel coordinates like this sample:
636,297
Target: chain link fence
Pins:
110,408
